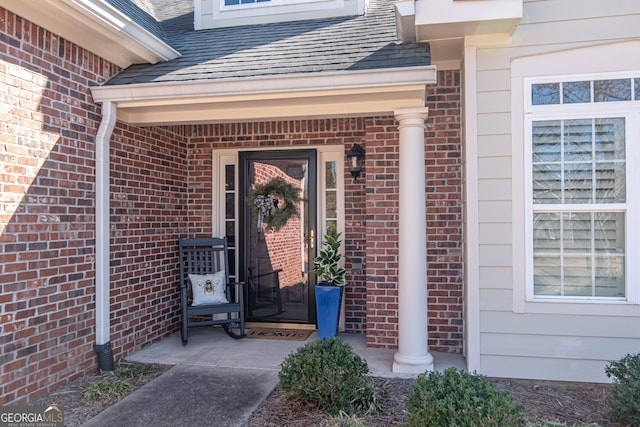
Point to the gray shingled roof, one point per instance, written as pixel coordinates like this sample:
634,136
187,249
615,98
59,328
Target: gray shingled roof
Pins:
339,44
140,12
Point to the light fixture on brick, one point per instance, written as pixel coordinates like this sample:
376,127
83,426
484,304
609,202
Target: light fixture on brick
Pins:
356,160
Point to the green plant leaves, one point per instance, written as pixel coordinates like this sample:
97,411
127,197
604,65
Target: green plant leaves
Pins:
326,264
625,390
457,398
329,374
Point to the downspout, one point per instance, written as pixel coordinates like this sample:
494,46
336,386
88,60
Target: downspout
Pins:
103,345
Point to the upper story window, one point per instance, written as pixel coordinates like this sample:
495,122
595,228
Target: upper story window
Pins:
236,2
229,13
581,142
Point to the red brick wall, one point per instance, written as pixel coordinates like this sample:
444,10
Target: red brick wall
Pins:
48,123
148,210
444,213
381,204
47,234
444,221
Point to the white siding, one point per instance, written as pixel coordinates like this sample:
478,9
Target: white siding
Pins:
495,233
493,80
547,368
494,211
495,277
494,145
495,167
557,325
495,189
558,346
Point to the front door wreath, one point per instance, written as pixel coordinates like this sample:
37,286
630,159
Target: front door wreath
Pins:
273,203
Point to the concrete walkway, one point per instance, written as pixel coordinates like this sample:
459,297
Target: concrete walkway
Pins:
190,395
219,381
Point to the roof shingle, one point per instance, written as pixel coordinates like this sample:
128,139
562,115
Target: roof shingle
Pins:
314,46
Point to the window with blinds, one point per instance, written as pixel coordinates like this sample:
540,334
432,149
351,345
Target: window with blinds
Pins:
579,179
579,196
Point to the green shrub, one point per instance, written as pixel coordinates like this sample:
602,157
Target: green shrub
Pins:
625,390
457,398
329,374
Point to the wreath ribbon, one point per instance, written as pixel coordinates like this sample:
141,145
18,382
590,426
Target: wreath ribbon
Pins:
264,205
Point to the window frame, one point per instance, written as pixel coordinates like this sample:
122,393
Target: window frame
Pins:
268,3
630,111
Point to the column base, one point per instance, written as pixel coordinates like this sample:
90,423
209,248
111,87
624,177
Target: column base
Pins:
411,365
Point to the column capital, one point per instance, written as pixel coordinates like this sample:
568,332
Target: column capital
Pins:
412,113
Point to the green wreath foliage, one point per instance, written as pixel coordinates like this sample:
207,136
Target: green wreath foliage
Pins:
285,193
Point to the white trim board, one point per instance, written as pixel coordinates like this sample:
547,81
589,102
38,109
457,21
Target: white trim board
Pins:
346,93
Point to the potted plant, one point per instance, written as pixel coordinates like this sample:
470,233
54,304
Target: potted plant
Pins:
330,286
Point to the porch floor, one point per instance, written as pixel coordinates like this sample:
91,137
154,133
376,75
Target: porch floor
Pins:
212,347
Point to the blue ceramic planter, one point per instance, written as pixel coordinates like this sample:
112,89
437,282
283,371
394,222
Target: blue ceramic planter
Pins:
328,300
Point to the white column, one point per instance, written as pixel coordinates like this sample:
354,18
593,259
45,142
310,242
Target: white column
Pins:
413,355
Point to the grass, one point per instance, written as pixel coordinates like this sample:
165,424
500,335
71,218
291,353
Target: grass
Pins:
115,385
546,423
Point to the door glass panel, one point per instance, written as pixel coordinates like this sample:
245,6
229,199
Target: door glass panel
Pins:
277,253
230,218
331,194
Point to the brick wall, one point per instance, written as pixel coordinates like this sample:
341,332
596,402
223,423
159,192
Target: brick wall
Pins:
381,205
148,210
48,123
444,221
444,213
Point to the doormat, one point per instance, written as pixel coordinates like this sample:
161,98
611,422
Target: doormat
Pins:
279,334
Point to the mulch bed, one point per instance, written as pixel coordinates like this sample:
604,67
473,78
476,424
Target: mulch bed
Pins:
570,403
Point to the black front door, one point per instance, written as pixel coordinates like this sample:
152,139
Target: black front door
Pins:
278,234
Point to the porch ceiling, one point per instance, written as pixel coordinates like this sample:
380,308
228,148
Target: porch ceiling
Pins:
346,93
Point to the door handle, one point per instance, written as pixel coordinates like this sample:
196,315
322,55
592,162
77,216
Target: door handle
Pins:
312,239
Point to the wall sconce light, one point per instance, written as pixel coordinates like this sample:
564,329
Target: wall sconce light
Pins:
356,160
